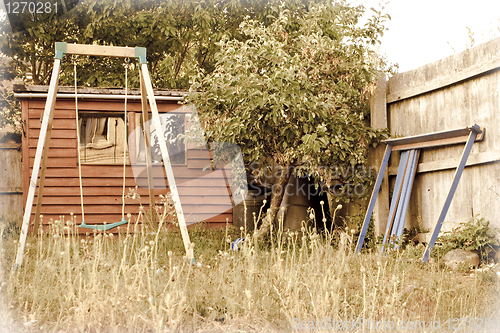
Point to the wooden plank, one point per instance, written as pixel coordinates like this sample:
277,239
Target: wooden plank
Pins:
203,191
460,76
88,181
26,166
74,199
451,163
14,190
218,221
94,171
110,170
96,90
198,154
11,171
378,119
98,209
34,133
57,123
199,164
58,114
55,152
55,143
206,209
100,50
93,190
57,162
202,182
117,190
101,105
10,146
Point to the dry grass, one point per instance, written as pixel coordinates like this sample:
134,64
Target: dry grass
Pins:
140,282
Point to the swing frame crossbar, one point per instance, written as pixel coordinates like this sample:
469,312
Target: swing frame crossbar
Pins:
466,135
40,163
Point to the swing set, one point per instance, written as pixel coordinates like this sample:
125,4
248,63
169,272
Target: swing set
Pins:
105,226
147,95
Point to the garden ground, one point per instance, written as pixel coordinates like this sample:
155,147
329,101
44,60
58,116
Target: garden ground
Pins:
140,282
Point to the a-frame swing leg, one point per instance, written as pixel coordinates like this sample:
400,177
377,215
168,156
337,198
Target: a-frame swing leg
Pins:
166,162
145,132
42,146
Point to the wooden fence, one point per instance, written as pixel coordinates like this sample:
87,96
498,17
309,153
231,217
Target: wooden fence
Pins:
455,92
11,179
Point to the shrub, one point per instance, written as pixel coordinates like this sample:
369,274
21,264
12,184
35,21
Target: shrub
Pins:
474,235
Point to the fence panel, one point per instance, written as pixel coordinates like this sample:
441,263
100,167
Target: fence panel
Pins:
11,179
451,93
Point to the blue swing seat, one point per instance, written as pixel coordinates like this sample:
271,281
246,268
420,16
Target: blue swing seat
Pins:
103,227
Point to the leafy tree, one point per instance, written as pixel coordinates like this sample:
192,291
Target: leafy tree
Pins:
295,92
32,49
180,36
9,106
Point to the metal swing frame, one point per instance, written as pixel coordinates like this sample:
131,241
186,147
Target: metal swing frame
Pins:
147,95
466,135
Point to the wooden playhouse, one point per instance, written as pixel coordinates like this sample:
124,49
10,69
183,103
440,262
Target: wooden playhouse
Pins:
102,145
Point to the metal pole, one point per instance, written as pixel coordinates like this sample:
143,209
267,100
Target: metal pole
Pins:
396,195
373,198
458,173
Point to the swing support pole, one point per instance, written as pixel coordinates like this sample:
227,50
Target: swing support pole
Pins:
145,129
166,162
43,145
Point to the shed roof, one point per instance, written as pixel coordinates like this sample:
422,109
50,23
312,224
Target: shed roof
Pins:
21,88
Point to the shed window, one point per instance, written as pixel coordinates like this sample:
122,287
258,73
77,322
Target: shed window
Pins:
102,139
173,125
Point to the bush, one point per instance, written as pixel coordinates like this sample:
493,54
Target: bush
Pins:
474,235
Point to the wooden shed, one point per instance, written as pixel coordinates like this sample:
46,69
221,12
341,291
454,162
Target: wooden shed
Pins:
102,145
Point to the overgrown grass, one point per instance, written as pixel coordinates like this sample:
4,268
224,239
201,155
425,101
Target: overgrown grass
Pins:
140,282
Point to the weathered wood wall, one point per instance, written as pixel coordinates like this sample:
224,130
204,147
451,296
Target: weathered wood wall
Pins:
102,184
452,93
11,192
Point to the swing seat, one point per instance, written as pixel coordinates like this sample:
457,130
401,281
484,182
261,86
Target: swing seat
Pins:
102,227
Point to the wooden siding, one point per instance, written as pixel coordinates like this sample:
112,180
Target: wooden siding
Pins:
452,93
102,184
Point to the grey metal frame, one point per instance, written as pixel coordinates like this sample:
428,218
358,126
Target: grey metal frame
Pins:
468,135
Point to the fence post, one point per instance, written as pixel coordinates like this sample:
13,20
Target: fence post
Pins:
378,109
